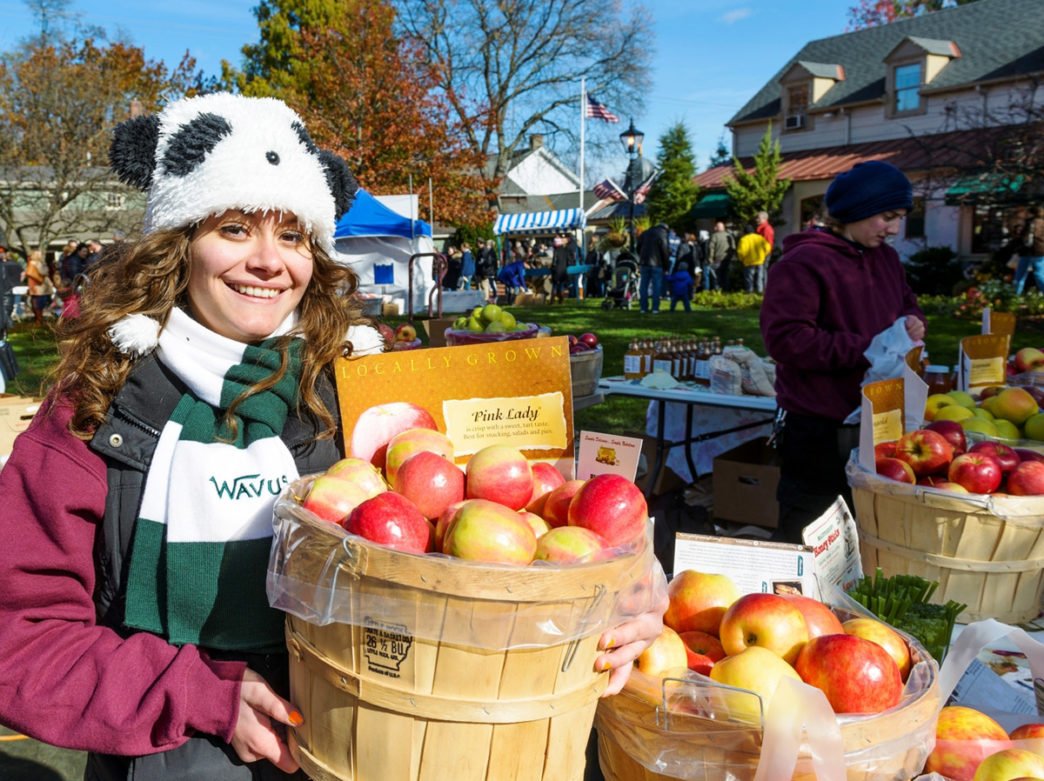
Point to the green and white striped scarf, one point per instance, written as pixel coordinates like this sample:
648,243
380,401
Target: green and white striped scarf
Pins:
201,543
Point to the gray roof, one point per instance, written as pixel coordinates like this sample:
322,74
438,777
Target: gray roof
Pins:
823,69
997,39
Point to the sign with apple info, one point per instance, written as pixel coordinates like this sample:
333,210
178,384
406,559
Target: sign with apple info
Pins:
881,418
753,565
982,360
515,392
834,540
602,454
1002,323
915,391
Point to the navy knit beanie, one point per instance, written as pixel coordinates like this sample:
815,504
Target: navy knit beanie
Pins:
867,189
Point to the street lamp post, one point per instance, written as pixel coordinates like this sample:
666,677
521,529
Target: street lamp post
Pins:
632,141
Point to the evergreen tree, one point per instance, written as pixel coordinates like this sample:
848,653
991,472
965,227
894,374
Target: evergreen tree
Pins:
722,156
675,191
759,189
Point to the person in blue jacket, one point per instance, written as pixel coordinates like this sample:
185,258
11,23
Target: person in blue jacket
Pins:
680,284
513,276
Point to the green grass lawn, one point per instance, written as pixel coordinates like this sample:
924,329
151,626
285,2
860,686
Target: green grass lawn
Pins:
35,347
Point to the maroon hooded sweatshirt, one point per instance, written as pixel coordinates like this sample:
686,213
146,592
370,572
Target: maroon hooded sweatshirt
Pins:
825,301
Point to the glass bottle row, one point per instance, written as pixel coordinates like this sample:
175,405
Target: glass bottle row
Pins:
684,358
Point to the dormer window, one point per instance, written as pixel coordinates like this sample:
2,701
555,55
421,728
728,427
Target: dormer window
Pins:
802,86
797,107
907,93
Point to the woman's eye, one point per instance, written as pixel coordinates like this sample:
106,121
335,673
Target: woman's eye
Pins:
234,229
293,237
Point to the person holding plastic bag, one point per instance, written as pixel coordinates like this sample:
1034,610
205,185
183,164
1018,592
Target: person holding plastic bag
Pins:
833,291
134,619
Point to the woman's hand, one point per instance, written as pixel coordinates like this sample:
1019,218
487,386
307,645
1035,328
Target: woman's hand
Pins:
915,328
624,643
256,735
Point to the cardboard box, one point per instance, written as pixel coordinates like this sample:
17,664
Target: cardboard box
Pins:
391,309
15,414
436,330
745,481
666,481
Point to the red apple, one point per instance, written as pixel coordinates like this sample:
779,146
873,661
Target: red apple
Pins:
767,620
1029,359
856,675
1025,454
333,499
1027,479
963,738
556,505
545,480
1028,732
393,521
977,472
378,424
410,442
499,473
1006,456
894,469
443,523
568,544
879,632
945,485
491,532
589,339
431,482
612,507
362,473
703,644
819,618
952,431
926,451
539,526
698,600
884,450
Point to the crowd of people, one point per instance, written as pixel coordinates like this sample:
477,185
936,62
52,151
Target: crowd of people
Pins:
51,282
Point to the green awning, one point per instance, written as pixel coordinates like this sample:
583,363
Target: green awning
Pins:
711,206
984,188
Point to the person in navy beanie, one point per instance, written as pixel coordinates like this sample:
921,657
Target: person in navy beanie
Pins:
832,292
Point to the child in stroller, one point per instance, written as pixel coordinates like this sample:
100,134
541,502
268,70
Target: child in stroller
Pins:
625,285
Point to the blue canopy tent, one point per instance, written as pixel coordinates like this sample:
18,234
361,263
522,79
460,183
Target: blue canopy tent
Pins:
539,222
377,242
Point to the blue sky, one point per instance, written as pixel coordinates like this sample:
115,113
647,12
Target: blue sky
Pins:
711,55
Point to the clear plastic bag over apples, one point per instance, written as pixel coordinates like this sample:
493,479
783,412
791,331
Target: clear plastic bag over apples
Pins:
695,729
321,574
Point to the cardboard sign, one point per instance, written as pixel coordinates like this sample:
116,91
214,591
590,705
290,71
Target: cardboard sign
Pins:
753,565
601,454
882,418
1000,323
16,413
517,392
915,391
834,539
981,361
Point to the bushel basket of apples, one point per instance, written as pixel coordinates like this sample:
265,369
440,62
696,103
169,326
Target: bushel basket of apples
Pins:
781,682
967,514
428,624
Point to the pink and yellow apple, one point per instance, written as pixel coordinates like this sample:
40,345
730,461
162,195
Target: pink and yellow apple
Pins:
545,480
766,620
665,655
819,619
539,526
1010,764
894,469
928,452
703,650
1016,405
410,442
1029,359
568,545
698,600
430,481
490,532
556,504
364,474
391,520
333,499
879,632
963,738
500,473
612,507
1027,479
755,669
977,472
856,675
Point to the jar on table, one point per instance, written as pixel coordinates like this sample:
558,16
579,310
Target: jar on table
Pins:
939,378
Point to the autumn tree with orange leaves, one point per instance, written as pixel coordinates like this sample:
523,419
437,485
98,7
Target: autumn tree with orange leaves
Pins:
370,97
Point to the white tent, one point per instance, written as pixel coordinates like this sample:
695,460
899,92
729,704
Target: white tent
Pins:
377,242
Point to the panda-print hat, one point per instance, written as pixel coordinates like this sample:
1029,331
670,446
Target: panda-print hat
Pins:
202,156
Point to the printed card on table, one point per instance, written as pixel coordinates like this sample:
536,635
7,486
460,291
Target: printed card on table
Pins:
516,392
982,361
834,539
602,454
881,419
754,566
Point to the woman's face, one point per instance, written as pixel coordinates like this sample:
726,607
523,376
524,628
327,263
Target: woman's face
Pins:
247,272
873,231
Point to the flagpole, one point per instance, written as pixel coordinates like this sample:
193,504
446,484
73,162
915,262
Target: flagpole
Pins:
583,121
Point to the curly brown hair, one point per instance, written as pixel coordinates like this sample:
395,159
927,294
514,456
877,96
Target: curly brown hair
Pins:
150,277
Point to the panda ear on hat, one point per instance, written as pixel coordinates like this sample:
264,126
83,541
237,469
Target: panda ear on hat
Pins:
132,153
340,180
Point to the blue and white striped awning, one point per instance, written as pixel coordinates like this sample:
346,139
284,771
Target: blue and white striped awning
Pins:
539,222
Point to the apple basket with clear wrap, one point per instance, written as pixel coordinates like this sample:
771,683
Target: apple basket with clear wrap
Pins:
413,667
696,729
985,551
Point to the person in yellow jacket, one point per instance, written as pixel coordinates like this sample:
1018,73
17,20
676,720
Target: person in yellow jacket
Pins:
753,251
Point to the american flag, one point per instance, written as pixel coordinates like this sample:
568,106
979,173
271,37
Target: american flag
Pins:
643,190
608,189
598,110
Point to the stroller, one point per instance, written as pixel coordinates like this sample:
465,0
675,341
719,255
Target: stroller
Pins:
625,286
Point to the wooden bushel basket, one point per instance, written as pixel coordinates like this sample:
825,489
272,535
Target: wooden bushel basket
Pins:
381,702
641,740
986,552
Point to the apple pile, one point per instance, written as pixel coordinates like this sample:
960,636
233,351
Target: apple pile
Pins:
583,343
1000,412
939,456
971,746
410,495
489,319
755,640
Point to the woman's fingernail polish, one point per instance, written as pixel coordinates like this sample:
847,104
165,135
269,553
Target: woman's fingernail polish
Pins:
610,641
295,718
